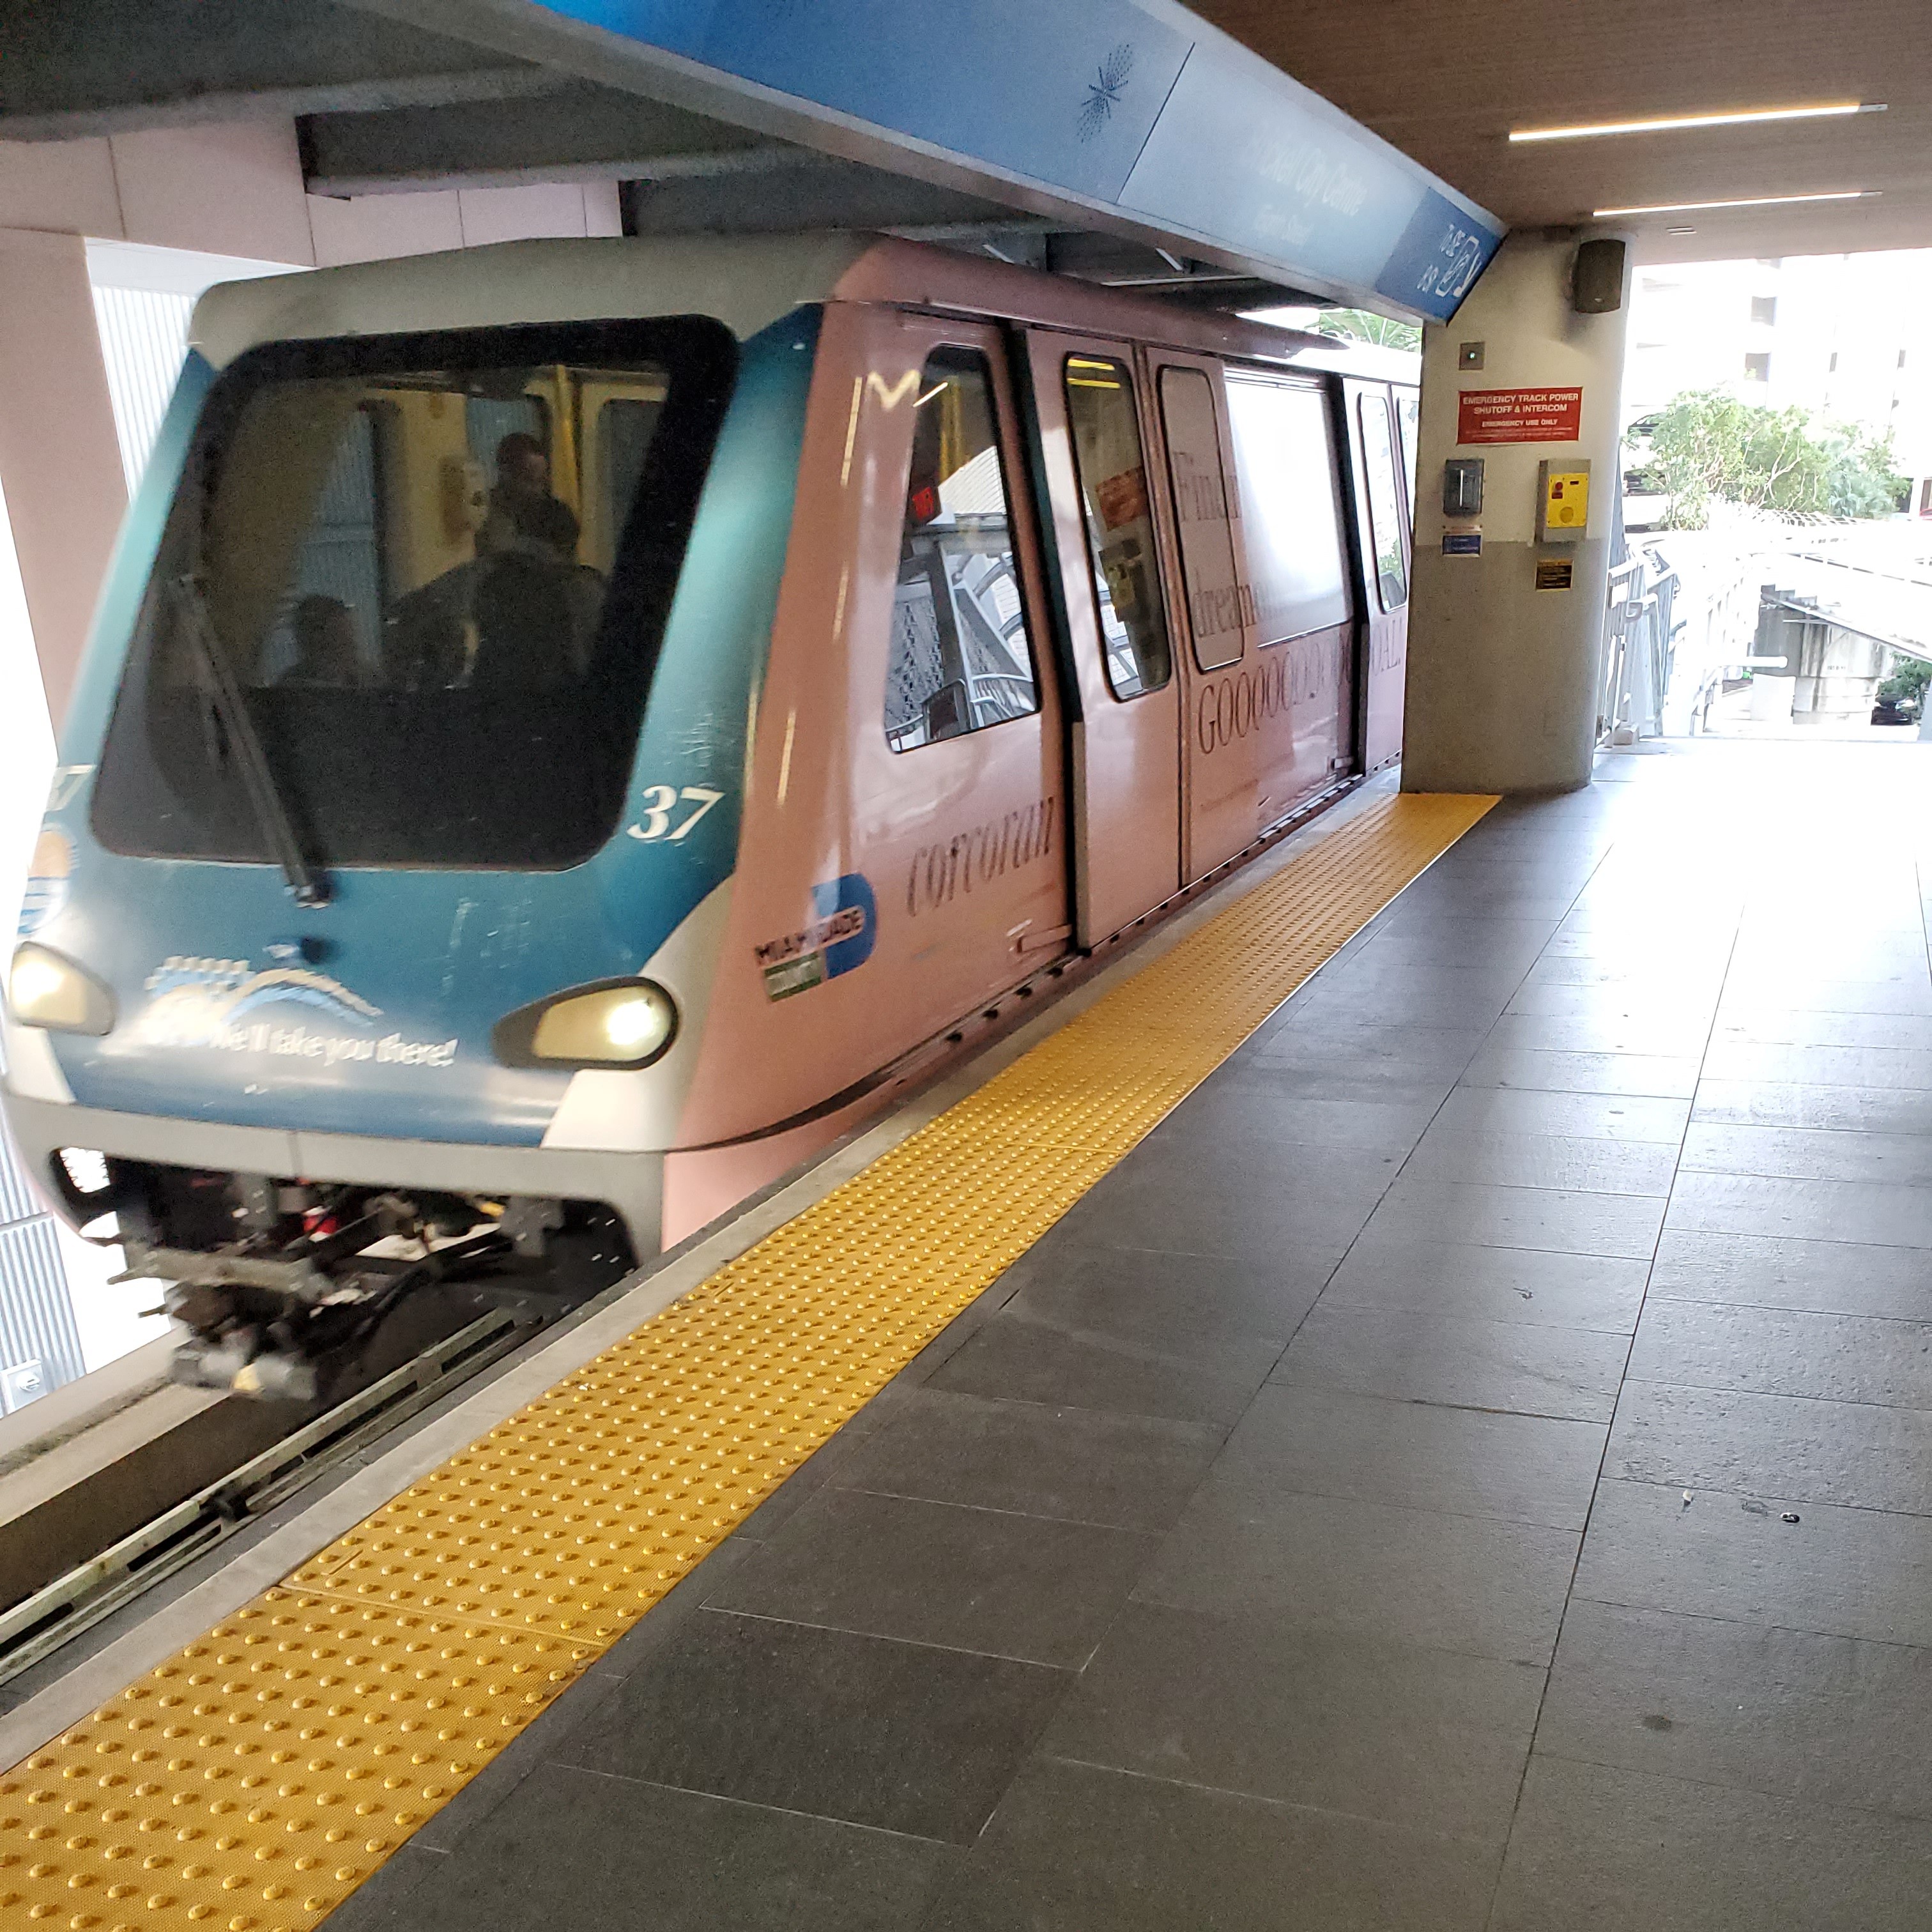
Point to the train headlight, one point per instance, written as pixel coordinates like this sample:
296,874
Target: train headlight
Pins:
620,1024
45,990
629,1024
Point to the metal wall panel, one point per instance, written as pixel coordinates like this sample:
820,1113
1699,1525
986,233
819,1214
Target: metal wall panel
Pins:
143,338
18,1201
36,1316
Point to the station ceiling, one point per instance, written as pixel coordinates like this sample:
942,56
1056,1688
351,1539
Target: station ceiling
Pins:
1447,83
392,95
423,94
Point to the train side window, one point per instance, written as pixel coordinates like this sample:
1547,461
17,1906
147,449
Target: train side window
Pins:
1215,606
1385,501
1110,469
1291,505
961,658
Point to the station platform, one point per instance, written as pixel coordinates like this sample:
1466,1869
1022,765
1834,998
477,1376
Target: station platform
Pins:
1452,1449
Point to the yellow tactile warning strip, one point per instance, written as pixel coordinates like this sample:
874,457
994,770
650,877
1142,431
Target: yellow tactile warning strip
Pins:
257,1778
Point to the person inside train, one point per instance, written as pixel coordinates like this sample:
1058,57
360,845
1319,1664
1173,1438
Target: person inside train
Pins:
325,650
522,611
427,638
535,606
523,480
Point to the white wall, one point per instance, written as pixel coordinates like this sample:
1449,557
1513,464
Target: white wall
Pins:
26,735
237,190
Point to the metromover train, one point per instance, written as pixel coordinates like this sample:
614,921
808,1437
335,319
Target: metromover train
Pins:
570,726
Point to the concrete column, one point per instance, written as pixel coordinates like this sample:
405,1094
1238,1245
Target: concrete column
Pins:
1502,676
60,464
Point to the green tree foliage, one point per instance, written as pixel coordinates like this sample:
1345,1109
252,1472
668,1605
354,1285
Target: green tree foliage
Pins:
1357,325
1709,445
1860,478
1910,677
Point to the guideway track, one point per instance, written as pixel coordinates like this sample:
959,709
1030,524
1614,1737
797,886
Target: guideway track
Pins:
256,1778
36,1627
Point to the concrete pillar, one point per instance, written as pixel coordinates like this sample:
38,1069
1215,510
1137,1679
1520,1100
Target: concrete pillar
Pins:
60,463
1502,675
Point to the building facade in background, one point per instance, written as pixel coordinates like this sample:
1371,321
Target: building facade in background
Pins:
1845,337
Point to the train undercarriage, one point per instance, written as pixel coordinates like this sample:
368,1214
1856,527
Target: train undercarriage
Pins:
298,1290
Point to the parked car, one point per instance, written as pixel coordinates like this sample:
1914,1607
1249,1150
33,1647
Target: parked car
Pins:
1895,711
1645,505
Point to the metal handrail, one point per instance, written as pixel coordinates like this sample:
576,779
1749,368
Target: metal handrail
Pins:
1639,638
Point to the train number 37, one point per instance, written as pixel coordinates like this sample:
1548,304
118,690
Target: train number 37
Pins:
661,801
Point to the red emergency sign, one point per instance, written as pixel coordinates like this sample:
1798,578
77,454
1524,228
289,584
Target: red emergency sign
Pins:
1519,416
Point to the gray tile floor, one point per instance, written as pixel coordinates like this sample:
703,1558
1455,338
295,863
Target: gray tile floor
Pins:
1472,1467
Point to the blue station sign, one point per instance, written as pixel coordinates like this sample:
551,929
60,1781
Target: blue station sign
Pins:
1142,110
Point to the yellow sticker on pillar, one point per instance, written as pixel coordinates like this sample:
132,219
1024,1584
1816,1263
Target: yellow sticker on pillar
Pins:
1565,512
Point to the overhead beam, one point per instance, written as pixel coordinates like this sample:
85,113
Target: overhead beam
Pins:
1131,116
576,130
688,174
622,168
70,68
685,173
814,191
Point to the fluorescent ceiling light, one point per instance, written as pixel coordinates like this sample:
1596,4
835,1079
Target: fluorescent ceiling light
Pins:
1589,131
1753,201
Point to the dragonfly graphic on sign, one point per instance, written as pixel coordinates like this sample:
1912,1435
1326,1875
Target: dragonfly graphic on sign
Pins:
1103,94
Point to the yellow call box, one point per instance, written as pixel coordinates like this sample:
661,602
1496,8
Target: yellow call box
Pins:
1563,505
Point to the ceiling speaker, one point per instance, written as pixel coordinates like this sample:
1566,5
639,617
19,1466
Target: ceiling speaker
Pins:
1599,278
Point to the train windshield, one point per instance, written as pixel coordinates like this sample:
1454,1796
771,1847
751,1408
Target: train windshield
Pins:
408,605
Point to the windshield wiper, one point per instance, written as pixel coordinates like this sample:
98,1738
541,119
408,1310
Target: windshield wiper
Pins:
309,886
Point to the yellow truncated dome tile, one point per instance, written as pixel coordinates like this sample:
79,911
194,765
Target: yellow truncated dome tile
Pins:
257,1778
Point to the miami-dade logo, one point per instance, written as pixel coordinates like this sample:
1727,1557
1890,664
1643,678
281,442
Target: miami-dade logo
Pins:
839,936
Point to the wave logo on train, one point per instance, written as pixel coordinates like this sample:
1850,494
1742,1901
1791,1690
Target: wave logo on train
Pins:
221,1003
49,877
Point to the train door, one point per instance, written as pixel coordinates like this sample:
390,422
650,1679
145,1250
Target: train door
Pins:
1125,784
902,860
1385,525
1296,700
1218,757
959,800
1408,424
